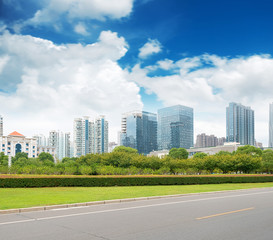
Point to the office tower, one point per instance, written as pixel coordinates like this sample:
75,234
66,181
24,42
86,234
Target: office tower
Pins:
240,124
101,135
1,126
139,131
270,143
175,127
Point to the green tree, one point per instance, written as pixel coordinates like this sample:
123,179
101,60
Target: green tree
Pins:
125,149
226,162
178,153
251,150
210,163
246,163
3,159
200,155
19,155
221,153
45,156
267,161
21,162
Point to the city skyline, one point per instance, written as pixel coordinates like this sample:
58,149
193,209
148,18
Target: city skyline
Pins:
64,59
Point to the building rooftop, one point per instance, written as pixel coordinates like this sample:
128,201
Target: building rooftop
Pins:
16,134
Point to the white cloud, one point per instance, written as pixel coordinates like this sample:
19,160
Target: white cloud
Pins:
82,9
208,83
3,62
60,82
165,64
80,28
151,47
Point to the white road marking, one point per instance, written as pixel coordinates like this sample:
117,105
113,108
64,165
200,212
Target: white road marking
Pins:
59,209
137,207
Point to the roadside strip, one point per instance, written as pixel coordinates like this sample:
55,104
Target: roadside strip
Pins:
136,207
74,205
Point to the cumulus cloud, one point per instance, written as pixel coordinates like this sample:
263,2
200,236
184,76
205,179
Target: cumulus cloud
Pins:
81,9
208,83
52,84
80,28
153,46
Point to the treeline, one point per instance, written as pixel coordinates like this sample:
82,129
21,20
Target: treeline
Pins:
126,161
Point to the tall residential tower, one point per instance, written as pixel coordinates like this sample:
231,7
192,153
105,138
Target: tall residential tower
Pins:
90,137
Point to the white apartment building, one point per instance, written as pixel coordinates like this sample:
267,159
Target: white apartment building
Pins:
41,140
61,142
89,136
101,135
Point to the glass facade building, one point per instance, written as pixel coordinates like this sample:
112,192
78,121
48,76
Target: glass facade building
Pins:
175,127
139,131
270,143
240,124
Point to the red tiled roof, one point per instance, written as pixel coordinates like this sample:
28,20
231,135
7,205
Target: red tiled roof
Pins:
16,134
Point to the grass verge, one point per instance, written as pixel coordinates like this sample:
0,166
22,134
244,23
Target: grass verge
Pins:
30,197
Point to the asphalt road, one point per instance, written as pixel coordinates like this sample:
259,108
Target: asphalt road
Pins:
246,214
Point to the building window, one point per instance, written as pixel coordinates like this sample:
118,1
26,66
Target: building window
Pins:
3,145
8,148
33,147
34,156
8,143
27,144
26,149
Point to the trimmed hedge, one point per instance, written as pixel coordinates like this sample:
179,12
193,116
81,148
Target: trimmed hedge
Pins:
128,181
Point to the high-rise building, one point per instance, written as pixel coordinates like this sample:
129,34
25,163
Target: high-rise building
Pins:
53,139
1,126
240,124
101,135
139,131
61,142
175,127
203,140
82,136
41,140
90,137
270,143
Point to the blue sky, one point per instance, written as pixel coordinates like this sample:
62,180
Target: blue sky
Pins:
61,59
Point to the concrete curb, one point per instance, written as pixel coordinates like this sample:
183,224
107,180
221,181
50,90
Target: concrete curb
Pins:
45,208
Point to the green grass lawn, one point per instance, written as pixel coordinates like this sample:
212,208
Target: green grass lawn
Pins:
29,197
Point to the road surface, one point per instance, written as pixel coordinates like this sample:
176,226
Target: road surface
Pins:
246,214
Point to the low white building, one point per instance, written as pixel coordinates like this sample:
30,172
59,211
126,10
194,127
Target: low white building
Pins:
228,147
16,143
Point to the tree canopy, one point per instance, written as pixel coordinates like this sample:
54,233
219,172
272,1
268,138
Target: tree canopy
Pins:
125,149
251,150
178,153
